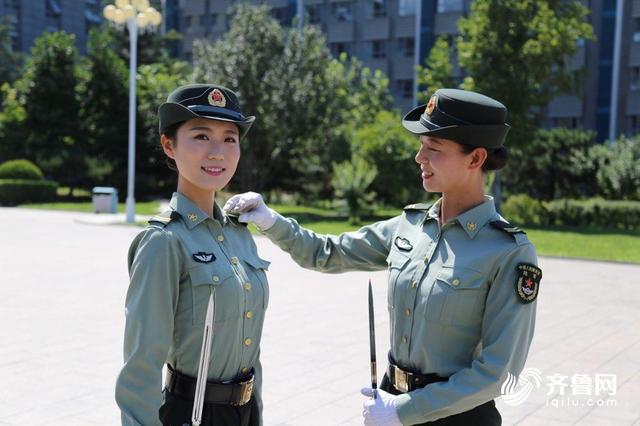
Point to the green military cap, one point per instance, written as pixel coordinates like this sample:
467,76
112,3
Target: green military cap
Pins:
203,101
466,117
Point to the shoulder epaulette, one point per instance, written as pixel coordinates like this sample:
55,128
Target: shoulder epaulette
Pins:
507,227
164,218
233,219
419,206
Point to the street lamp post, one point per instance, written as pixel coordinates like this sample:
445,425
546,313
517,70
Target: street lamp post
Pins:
137,15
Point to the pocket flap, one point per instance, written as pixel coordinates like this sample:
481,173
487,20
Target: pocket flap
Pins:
397,259
206,275
460,278
257,263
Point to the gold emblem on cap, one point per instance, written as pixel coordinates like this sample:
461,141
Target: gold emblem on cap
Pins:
216,98
193,217
431,105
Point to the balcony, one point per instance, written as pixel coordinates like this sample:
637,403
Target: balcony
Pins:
339,31
375,28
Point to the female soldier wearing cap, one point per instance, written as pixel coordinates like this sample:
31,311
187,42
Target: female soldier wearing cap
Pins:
194,272
462,282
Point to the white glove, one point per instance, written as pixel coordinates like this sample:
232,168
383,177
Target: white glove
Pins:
251,208
380,411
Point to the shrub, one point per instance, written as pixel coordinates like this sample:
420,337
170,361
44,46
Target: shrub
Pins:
594,212
19,191
20,169
522,209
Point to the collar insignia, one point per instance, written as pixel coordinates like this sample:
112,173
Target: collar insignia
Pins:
202,257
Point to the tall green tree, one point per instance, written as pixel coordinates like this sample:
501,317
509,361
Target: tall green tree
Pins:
48,96
10,64
104,100
519,51
437,71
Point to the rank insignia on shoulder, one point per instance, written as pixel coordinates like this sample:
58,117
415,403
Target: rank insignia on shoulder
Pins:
419,206
164,218
403,244
202,257
507,227
528,282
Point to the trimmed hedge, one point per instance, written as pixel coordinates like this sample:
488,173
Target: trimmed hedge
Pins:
593,212
20,169
21,191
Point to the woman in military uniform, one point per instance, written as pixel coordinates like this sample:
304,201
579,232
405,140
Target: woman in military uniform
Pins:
195,273
462,281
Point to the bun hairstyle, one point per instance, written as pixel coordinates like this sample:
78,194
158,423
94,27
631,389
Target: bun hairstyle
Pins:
496,158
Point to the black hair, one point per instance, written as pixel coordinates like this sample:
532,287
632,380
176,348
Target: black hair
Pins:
496,158
171,132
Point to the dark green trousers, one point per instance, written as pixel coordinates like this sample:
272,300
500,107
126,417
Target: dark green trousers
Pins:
483,415
176,411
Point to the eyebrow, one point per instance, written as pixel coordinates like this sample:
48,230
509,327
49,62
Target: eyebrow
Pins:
234,132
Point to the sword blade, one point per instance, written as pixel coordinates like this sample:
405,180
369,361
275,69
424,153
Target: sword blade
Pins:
372,343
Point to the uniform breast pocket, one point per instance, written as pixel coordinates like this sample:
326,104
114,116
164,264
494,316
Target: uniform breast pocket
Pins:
457,296
397,261
226,288
257,273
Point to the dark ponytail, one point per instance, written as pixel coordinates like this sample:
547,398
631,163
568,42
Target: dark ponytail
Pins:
496,159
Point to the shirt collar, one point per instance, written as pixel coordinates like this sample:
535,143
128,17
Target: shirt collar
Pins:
472,220
191,213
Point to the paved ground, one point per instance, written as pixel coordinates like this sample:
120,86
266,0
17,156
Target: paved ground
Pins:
62,286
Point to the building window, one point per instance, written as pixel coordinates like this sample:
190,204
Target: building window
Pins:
406,7
405,88
53,14
636,30
377,8
406,46
313,13
338,48
634,124
341,11
634,78
281,14
566,122
450,6
377,49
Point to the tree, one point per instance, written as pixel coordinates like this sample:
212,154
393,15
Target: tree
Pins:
437,72
524,59
392,150
104,111
351,181
47,92
616,168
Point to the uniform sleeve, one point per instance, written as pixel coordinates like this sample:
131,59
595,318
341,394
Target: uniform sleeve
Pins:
507,331
154,271
365,249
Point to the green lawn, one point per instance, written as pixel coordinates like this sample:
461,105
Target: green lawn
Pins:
599,244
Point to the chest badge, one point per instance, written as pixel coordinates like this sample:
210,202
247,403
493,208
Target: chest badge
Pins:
528,282
202,257
403,244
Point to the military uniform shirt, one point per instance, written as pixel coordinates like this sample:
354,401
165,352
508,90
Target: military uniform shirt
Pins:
173,269
452,299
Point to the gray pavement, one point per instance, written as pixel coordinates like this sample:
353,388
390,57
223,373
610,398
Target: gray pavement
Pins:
63,280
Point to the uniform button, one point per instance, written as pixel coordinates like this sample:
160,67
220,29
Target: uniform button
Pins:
404,339
248,315
244,370
216,278
407,312
426,259
234,260
247,286
247,342
221,238
456,282
414,284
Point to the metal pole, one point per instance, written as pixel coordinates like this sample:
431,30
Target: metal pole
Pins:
615,74
300,13
133,52
416,46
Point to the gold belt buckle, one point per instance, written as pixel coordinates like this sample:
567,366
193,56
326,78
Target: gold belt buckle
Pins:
247,391
400,379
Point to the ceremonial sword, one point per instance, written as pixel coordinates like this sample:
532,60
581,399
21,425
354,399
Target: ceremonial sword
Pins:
372,345
203,365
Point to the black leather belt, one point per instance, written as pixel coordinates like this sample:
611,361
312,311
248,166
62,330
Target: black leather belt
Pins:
215,393
406,381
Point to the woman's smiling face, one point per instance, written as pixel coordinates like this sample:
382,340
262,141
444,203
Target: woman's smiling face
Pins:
206,153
